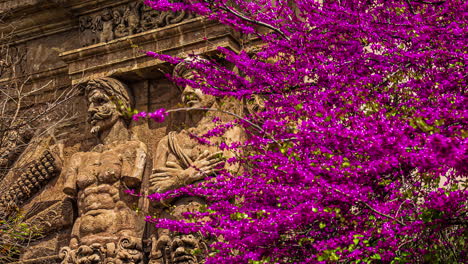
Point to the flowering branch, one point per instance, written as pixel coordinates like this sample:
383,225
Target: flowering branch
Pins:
217,110
367,96
241,16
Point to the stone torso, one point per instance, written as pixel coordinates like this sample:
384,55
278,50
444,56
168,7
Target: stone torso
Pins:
104,214
190,146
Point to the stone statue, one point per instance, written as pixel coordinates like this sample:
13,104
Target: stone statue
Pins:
120,29
132,16
107,229
104,24
180,160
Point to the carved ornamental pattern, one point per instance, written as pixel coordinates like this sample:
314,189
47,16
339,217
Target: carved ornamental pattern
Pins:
123,21
51,216
35,176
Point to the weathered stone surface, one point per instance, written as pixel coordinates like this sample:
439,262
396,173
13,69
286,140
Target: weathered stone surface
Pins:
34,177
123,57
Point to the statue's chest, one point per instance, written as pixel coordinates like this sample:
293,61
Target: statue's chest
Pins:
99,168
191,146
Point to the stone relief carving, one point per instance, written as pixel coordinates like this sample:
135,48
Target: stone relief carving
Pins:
172,247
123,21
107,229
12,144
36,175
180,160
51,216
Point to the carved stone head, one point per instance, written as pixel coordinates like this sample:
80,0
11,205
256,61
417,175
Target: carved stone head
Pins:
192,97
107,15
186,249
105,96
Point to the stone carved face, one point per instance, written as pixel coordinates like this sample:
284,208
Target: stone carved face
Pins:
102,112
107,15
184,249
195,98
103,94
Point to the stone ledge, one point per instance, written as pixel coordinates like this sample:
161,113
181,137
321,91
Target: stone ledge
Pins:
122,55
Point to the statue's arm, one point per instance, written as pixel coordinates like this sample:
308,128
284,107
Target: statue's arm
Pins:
169,175
161,182
134,176
70,175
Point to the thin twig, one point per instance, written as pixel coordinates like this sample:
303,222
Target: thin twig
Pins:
380,213
430,3
225,112
216,110
241,16
371,208
67,96
399,208
410,6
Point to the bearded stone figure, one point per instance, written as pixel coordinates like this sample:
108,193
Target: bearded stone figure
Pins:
179,161
107,230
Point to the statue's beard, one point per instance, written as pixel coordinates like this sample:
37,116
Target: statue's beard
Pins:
97,119
95,130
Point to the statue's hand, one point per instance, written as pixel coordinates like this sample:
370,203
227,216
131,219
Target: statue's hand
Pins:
166,178
206,164
173,175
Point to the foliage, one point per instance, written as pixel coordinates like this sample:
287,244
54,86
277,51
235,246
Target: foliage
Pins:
15,234
360,153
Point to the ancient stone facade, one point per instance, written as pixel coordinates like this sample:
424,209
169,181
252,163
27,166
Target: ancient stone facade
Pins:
72,181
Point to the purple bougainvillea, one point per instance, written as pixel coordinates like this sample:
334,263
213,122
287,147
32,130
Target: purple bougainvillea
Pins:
359,154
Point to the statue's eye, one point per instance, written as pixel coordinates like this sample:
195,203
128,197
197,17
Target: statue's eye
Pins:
100,100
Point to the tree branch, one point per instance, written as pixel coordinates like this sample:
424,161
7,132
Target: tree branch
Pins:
370,207
241,16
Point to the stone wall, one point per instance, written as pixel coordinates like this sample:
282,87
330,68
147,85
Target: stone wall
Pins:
70,181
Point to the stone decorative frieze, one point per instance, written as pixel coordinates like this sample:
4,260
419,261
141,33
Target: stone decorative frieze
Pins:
35,176
122,21
126,250
107,230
